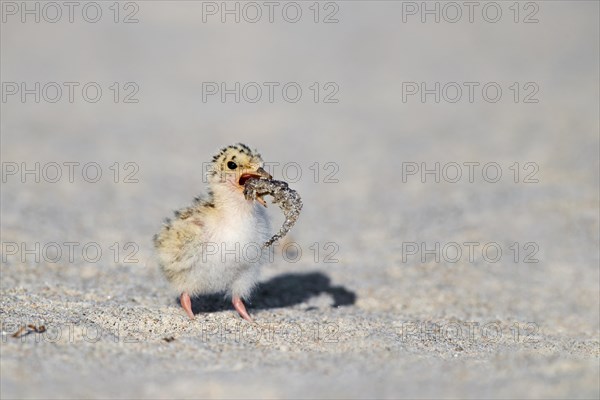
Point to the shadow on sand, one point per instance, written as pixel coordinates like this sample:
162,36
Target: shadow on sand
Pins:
281,291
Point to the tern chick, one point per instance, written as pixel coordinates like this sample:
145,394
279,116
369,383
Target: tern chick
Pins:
203,249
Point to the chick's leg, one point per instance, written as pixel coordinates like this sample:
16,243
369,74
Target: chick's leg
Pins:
186,303
241,309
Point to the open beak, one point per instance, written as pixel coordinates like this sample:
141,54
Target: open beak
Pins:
260,173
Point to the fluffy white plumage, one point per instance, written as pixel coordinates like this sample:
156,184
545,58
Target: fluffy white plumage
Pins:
216,244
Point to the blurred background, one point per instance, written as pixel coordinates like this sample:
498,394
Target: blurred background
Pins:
365,97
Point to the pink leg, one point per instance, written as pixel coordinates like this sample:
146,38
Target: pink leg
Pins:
186,303
241,309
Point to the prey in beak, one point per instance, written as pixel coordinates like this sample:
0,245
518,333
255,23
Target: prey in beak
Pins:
260,173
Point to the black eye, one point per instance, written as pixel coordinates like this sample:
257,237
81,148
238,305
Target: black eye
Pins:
231,165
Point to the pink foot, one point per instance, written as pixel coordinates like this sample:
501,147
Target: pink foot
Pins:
241,309
186,303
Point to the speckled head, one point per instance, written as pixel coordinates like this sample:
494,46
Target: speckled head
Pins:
234,164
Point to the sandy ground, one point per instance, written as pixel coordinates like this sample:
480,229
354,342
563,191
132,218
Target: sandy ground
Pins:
354,306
